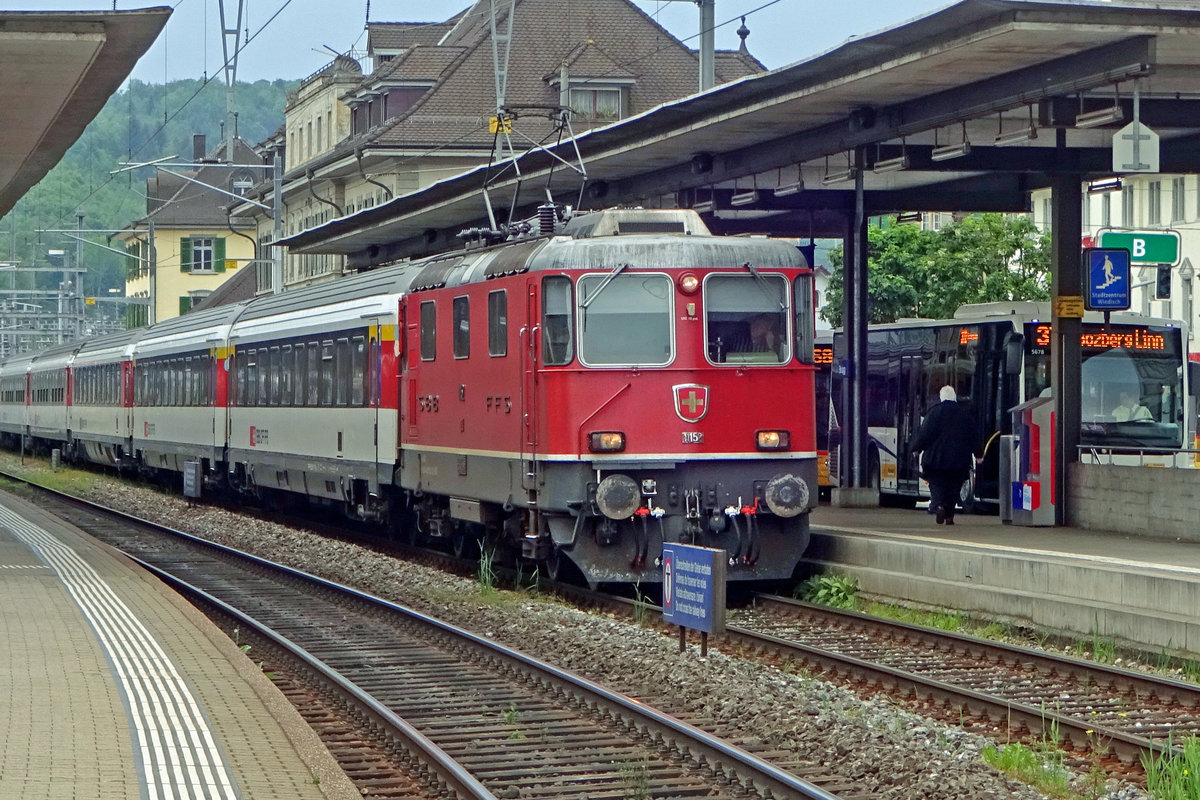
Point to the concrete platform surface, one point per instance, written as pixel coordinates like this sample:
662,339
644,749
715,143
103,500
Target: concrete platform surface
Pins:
1141,590
112,686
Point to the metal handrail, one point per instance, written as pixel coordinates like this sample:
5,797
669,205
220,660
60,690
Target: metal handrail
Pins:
1170,455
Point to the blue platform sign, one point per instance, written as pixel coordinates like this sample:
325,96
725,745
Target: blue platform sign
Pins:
694,587
1106,273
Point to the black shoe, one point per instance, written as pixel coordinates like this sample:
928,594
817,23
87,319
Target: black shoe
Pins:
949,520
941,514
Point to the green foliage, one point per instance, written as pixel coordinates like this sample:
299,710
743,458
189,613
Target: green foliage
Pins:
917,273
1043,768
829,590
141,122
1176,776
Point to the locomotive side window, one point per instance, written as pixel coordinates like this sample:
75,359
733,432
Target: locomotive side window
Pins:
625,320
557,347
746,318
461,313
428,331
804,319
498,323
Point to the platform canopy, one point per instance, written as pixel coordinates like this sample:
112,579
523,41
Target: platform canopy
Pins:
968,108
57,70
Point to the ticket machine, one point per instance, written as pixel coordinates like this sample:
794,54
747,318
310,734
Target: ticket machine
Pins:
1030,455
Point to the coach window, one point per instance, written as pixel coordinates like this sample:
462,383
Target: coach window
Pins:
428,331
557,348
358,371
328,373
498,323
374,371
252,368
286,368
344,363
264,376
746,318
625,319
461,312
273,386
314,374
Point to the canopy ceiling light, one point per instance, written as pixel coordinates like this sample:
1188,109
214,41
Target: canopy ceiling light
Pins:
786,189
744,198
841,175
883,165
704,207
946,152
1106,185
1019,135
1105,116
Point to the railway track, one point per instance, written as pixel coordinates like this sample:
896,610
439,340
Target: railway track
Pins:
1113,713
461,714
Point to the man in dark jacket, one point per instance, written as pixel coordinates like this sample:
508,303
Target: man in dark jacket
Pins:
946,438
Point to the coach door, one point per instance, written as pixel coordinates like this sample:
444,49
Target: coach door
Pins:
414,322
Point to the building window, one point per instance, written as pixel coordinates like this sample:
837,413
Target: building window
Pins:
1087,212
319,138
1154,204
596,103
1127,206
1106,209
1177,199
201,255
1046,214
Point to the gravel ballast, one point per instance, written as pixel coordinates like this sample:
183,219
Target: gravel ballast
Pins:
881,750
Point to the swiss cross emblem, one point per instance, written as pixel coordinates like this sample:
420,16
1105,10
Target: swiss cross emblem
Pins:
691,401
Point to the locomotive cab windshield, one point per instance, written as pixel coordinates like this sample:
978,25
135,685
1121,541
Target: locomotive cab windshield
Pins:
746,319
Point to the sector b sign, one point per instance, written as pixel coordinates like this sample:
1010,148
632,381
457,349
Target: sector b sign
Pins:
1157,247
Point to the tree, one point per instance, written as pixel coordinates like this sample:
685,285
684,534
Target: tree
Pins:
917,273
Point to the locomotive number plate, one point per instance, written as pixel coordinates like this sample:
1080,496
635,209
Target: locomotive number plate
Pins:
693,437
427,402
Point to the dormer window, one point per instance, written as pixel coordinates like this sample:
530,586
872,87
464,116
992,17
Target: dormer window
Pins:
596,102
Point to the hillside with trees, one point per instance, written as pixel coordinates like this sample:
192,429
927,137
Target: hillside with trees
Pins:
142,122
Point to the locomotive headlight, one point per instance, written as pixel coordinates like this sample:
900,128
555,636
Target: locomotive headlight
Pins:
606,442
786,495
773,440
618,497
688,283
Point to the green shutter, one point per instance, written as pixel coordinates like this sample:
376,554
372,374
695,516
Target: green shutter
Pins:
185,254
185,305
219,255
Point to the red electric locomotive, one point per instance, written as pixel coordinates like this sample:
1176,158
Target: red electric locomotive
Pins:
631,381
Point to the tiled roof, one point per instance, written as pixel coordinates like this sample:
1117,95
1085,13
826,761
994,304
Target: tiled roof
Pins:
173,201
401,35
604,38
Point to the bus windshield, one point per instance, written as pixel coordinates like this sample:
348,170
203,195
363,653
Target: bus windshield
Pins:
746,319
1131,381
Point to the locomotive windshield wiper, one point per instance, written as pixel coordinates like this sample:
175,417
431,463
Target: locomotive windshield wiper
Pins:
617,270
764,285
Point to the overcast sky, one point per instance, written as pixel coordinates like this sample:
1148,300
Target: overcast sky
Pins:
295,33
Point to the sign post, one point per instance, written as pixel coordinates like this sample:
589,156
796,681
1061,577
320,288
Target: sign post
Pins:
694,590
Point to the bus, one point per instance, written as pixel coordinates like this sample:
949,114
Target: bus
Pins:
996,356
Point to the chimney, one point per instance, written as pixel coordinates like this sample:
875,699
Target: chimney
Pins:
199,151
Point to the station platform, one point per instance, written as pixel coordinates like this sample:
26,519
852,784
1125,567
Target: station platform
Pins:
1140,591
112,686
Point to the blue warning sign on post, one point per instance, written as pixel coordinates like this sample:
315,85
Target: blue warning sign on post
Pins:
1106,275
694,587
